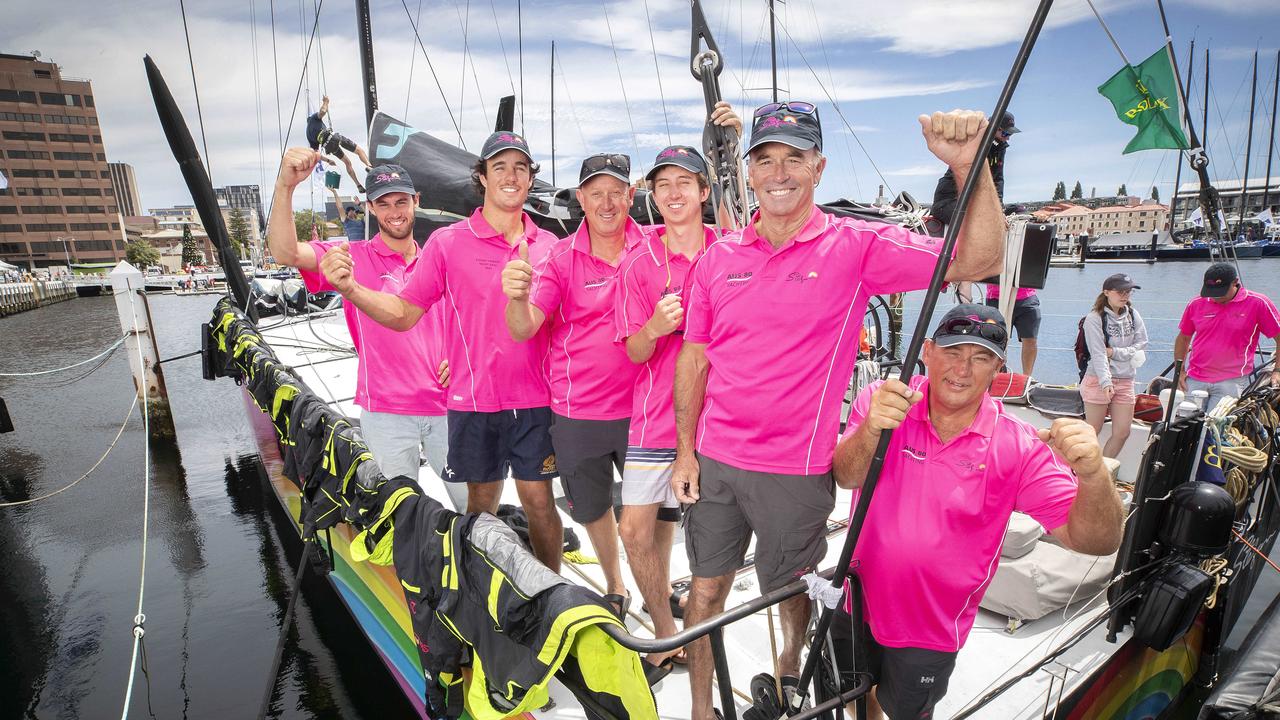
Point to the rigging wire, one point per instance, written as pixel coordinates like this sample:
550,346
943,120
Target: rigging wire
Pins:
435,77
413,60
657,71
839,112
257,98
297,93
462,69
468,57
275,66
622,85
128,414
196,87
110,349
564,80
501,44
831,77
139,619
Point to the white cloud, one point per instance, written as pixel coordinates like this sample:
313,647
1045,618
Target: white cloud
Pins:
930,170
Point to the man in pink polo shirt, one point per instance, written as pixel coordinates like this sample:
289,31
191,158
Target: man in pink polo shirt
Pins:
397,384
499,422
1222,326
770,341
571,290
957,467
650,322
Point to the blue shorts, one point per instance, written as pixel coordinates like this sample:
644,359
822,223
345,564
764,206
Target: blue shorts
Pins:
487,446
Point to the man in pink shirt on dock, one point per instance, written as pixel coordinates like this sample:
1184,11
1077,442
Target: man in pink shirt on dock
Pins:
499,419
772,329
570,290
1222,328
398,380
957,467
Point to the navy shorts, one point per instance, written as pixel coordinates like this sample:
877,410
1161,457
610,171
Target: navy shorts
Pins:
486,446
1026,316
909,681
588,453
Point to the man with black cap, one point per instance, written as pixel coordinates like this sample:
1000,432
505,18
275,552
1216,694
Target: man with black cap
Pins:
570,292
499,422
961,465
649,320
771,333
401,376
946,193
1222,328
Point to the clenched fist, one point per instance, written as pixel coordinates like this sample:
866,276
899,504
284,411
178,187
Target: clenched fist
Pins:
890,404
296,166
667,316
517,276
1073,440
954,137
339,267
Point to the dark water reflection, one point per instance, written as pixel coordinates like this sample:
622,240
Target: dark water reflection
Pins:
219,567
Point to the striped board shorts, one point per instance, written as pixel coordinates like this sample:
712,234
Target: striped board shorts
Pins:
646,480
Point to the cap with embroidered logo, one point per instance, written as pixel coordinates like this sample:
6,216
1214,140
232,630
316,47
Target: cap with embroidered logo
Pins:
385,179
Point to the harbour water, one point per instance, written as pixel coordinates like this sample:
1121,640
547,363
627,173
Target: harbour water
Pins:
219,557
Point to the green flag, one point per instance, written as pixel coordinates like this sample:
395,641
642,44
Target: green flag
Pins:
1146,97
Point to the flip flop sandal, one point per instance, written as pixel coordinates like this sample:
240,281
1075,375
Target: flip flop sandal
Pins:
677,610
654,674
681,658
620,603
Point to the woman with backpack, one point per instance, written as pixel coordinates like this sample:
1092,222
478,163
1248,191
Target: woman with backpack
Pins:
1115,339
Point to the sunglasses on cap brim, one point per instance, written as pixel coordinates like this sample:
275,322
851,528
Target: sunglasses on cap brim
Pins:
795,106
596,163
973,328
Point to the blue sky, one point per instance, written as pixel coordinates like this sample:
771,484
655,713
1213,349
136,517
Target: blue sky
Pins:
883,69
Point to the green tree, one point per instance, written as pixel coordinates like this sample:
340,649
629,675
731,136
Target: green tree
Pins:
1060,192
1155,193
191,253
1123,191
305,220
1077,192
238,231
140,254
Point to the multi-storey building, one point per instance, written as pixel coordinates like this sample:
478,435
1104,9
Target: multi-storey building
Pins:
245,197
126,187
59,205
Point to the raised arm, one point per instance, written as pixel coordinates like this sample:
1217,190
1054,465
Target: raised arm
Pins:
955,138
282,234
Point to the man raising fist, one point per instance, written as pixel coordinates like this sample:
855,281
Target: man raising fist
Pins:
399,383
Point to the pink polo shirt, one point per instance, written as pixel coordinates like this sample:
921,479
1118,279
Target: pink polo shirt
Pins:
398,372
993,293
461,268
1225,336
648,273
932,538
591,375
781,332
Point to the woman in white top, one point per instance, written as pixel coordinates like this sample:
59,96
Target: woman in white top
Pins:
1116,350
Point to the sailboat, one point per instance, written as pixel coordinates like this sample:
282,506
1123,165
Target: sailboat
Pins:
1059,636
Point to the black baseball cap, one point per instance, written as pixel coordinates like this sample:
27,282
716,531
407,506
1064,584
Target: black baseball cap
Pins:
800,130
681,156
1006,124
1120,281
385,179
1218,280
975,325
611,164
504,140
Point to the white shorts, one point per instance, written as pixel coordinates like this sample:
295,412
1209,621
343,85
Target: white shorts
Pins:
646,477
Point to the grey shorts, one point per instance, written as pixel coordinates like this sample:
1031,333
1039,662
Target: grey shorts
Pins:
787,513
587,453
1026,316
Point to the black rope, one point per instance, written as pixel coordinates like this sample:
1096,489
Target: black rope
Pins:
307,542
196,87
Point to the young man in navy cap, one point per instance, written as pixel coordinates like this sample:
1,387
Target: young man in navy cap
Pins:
1222,328
499,422
772,322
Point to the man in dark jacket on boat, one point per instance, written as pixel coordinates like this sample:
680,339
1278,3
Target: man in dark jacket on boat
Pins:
401,376
499,419
957,467
767,336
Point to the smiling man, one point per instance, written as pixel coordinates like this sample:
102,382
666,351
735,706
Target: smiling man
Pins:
571,292
770,341
957,467
398,381
499,422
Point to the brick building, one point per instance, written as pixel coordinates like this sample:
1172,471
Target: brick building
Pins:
59,205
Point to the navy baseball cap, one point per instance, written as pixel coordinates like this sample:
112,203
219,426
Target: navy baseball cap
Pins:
1218,280
504,140
975,325
781,122
385,179
681,156
1006,124
1120,281
612,164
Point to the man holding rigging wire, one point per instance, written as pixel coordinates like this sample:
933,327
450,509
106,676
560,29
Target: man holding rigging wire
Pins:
771,322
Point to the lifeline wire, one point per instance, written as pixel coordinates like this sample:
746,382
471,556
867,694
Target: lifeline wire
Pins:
100,355
139,619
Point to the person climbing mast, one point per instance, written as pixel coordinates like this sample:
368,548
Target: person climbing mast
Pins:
322,137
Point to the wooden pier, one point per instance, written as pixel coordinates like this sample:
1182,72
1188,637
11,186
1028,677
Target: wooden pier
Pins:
22,296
